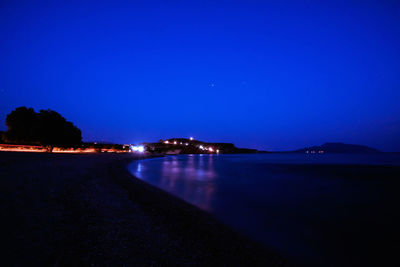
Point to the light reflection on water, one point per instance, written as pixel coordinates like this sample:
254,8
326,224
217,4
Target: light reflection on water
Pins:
193,177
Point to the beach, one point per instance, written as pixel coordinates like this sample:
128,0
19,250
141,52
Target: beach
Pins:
87,209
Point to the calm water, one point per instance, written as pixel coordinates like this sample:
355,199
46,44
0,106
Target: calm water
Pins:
328,209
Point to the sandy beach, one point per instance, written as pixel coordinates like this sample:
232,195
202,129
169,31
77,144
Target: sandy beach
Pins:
70,210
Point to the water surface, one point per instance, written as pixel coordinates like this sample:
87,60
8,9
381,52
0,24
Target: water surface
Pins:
329,209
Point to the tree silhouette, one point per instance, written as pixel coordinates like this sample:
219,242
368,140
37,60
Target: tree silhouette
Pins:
47,128
22,126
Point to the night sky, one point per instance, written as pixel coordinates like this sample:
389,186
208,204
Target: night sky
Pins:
273,75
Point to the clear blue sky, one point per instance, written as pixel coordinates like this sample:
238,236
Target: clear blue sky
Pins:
272,75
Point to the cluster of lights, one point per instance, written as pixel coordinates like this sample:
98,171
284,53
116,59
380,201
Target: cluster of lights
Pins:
175,142
191,139
139,149
208,148
314,152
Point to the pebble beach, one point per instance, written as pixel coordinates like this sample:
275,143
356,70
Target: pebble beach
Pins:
87,209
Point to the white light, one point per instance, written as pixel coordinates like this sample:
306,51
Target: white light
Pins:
187,144
211,149
166,142
217,150
201,147
139,149
191,138
174,142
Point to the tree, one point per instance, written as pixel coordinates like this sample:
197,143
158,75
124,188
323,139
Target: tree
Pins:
47,128
22,126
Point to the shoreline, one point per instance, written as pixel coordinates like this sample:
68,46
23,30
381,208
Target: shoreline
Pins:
165,207
65,209
345,209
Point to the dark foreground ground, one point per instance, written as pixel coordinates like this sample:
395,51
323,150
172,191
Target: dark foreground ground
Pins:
81,210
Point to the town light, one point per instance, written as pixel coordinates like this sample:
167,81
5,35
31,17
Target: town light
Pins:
174,142
210,149
191,138
139,149
166,142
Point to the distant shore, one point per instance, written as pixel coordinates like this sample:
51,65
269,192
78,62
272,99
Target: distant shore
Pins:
87,209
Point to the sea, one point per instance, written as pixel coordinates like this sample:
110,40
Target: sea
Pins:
314,209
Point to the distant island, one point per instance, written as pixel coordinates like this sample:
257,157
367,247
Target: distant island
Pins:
337,148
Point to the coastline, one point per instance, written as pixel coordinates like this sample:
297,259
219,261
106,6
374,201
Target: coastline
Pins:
64,209
316,214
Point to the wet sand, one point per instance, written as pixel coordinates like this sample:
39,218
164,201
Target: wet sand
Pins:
86,209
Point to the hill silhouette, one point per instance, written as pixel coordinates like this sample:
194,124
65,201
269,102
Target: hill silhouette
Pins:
339,148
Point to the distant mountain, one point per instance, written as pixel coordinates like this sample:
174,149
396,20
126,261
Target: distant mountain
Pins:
338,148
191,146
